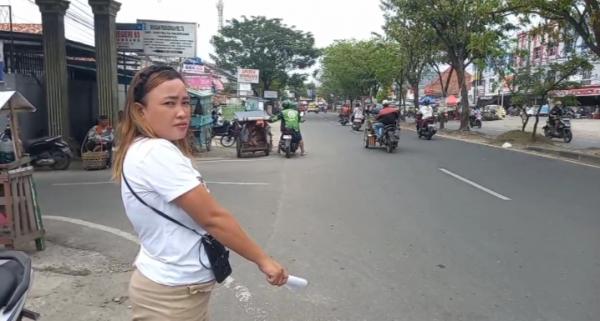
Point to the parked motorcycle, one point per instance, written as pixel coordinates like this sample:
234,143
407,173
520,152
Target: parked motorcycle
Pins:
15,276
563,130
286,144
426,127
228,132
475,121
46,151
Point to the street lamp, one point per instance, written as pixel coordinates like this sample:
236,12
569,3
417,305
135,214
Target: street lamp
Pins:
12,40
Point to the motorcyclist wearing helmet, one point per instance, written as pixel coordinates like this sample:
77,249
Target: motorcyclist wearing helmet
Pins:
425,112
290,122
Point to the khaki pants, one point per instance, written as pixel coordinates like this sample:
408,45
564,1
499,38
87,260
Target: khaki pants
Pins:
155,302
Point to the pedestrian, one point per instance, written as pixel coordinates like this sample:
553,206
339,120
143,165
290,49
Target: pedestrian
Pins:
171,280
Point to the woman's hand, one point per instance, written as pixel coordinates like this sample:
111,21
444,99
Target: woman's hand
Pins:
276,274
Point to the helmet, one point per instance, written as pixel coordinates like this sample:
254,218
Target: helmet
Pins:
288,104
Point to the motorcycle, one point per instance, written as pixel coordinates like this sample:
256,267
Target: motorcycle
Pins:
16,274
357,122
287,144
425,127
344,119
46,151
475,121
390,138
563,130
228,132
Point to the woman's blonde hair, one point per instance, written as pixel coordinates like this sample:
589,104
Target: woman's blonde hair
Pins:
133,124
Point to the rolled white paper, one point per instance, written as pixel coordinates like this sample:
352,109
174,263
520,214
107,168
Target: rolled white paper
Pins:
296,283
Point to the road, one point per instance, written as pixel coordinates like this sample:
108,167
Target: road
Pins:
439,230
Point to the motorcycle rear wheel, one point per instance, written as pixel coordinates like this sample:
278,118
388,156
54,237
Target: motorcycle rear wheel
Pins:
62,160
227,141
567,136
288,152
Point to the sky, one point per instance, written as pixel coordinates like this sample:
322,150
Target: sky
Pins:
327,20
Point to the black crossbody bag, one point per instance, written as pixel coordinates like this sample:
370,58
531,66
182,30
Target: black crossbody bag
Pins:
217,253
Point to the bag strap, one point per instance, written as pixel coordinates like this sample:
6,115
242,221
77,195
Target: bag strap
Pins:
202,236
157,211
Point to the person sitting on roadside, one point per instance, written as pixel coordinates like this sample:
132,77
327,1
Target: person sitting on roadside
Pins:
290,122
388,115
100,137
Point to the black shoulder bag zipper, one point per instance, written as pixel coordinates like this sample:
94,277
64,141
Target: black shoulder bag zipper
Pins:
217,253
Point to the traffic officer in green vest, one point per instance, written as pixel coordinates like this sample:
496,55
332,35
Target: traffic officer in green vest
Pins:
290,122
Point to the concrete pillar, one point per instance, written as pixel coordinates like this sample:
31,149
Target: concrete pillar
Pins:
55,65
105,13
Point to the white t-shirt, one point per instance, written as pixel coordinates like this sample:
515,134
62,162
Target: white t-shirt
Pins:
427,111
159,173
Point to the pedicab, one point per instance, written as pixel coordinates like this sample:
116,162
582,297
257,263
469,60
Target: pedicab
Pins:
202,122
255,133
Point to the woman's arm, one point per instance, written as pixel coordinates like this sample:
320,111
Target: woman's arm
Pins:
222,225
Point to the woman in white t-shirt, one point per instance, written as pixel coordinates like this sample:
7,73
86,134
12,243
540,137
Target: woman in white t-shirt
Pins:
169,281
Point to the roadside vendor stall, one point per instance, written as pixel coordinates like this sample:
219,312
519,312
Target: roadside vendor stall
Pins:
202,122
255,133
20,217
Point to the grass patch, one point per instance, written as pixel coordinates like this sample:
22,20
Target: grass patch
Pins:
518,137
229,111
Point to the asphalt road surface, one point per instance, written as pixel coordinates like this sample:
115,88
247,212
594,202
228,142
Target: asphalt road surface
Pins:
439,230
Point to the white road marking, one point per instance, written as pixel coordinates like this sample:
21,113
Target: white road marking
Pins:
104,228
235,160
239,183
487,190
83,183
242,293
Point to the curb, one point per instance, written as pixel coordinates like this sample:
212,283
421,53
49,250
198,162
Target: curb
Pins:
568,156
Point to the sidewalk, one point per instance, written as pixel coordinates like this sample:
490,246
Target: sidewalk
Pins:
586,132
498,133
75,284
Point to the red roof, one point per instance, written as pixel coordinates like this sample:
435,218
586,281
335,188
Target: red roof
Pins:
434,88
35,28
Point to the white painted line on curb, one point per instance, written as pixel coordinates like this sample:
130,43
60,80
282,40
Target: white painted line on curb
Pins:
104,228
487,190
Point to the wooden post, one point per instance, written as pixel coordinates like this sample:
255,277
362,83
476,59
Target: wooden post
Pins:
15,132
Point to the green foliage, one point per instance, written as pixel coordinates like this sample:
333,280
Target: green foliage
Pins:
579,16
265,44
464,29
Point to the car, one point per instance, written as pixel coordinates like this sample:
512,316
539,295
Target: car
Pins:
531,111
493,112
312,108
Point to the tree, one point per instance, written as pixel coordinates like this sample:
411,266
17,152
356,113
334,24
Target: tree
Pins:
580,16
413,38
347,69
464,29
264,44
